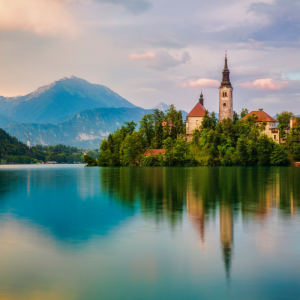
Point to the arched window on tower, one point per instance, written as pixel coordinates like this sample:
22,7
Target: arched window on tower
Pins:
224,94
224,104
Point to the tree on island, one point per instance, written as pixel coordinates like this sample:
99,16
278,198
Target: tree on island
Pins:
227,143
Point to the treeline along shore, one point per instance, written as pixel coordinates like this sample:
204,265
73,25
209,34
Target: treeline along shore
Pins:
159,140
13,151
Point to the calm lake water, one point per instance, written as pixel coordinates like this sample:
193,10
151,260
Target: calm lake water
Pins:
69,232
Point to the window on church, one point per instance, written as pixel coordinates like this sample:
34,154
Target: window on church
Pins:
197,122
274,137
224,104
225,94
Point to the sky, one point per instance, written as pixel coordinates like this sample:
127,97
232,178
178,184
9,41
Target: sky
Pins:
152,51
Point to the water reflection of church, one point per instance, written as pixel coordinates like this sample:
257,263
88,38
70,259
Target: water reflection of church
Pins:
267,200
196,212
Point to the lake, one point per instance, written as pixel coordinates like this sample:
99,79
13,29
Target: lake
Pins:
72,232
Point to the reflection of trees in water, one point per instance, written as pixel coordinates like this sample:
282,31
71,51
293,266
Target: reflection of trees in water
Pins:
206,192
251,190
158,191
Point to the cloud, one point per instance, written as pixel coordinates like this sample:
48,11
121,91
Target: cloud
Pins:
44,17
265,84
162,60
202,82
282,20
142,56
135,6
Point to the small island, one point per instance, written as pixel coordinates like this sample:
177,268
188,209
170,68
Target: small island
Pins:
164,139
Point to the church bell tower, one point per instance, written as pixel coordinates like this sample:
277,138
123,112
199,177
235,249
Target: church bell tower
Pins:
225,95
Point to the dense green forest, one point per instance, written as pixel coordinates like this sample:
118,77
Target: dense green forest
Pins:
234,142
14,152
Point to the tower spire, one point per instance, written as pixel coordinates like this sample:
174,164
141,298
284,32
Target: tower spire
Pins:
225,74
201,99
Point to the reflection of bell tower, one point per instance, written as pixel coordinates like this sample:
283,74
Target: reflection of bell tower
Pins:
196,212
226,235
225,95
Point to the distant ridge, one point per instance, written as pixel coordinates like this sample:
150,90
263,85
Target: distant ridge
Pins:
58,101
4,121
83,130
161,106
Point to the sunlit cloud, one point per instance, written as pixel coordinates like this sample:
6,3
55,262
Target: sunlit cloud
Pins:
265,84
202,82
43,17
162,60
142,56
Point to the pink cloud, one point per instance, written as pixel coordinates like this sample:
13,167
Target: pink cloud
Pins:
202,82
142,56
43,17
265,84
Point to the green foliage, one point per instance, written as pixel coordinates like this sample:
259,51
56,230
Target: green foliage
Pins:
147,129
158,118
265,147
283,120
247,151
15,152
90,161
244,112
59,153
295,150
293,140
279,156
235,117
152,161
93,154
208,122
131,150
226,143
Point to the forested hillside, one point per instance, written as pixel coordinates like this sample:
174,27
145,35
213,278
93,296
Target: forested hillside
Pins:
13,151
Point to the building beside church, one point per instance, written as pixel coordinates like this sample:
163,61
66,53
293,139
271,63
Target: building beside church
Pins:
225,95
271,130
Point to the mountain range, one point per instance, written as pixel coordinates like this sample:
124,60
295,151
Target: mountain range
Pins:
4,121
60,100
69,111
84,130
161,106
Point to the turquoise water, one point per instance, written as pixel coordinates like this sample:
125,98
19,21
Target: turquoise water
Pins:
69,232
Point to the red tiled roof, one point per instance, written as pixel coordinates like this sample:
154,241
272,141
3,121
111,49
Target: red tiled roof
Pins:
261,116
155,152
163,124
197,111
294,123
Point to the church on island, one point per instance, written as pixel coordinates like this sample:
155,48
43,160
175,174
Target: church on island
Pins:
195,117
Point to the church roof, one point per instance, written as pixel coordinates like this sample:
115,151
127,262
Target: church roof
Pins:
261,116
197,111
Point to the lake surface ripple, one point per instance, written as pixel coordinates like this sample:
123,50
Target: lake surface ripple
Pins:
69,232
